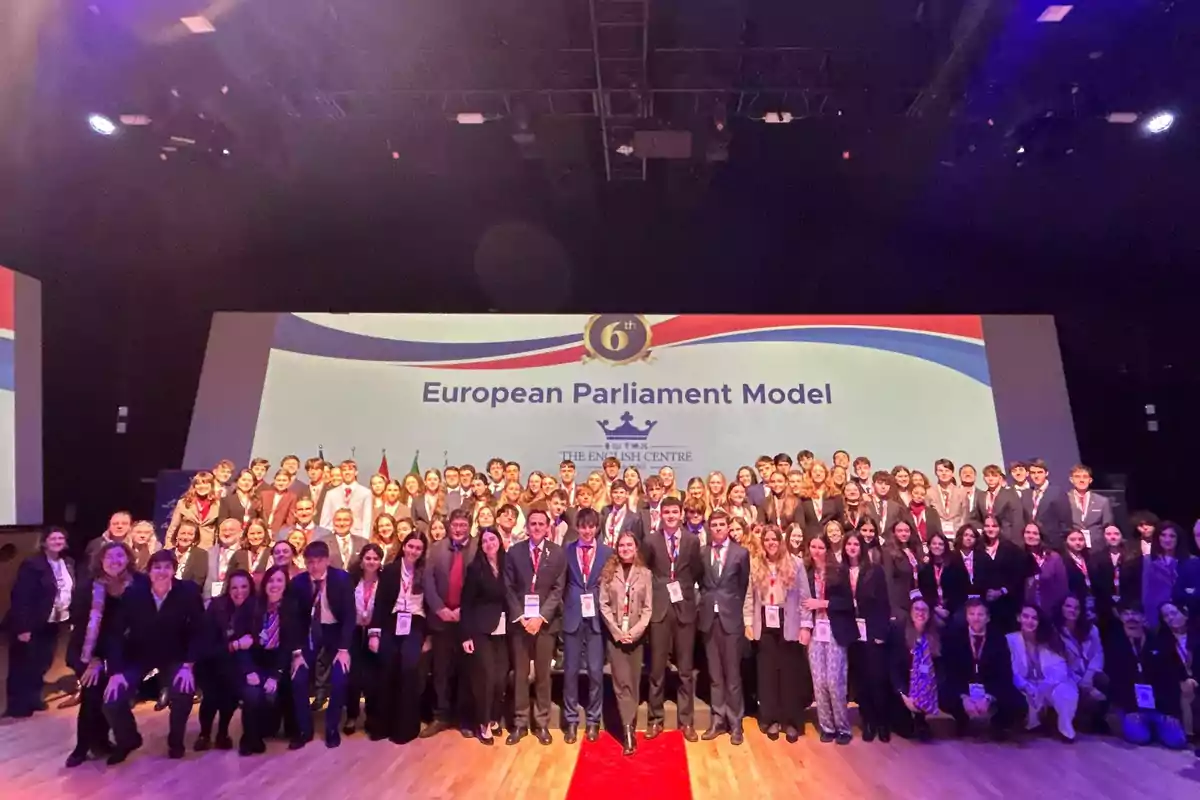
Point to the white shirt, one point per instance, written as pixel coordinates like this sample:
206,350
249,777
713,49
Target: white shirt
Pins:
355,497
406,601
61,610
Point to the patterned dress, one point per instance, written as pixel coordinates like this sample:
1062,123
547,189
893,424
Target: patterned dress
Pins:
922,682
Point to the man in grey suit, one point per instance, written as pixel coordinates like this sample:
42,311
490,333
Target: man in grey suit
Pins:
1090,512
719,617
344,546
535,574
445,568
305,513
229,534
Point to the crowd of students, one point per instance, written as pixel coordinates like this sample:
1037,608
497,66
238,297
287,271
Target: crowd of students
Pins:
1006,606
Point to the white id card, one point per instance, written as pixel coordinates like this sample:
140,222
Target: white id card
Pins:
1087,538
403,623
625,625
587,602
1144,695
533,606
926,669
675,592
500,626
772,616
976,691
862,628
217,588
822,631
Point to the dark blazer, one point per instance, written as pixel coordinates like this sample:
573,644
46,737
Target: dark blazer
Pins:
195,568
898,571
484,598
387,592
767,515
298,609
305,490
1007,509
1104,582
1158,669
900,659
147,636
34,591
994,668
756,494
814,523
231,506
551,581
892,510
727,592
437,576
241,560
956,584
1053,514
689,569
841,606
223,623
645,522
357,543
1099,513
570,534
81,606
285,514
1006,571
933,522
631,523
871,602
575,588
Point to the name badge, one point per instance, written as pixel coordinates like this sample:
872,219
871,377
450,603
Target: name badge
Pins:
500,626
533,606
587,602
217,588
1145,696
1087,537
772,616
403,623
675,592
822,632
625,624
976,691
926,669
862,628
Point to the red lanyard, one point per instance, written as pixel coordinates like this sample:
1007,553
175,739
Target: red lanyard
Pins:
1117,577
991,501
585,561
1079,562
535,554
672,550
368,593
937,579
1083,501
977,652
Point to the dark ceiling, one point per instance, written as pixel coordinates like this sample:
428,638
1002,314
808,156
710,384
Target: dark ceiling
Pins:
943,156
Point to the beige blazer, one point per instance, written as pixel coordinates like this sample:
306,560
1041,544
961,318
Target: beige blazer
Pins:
612,596
208,525
953,512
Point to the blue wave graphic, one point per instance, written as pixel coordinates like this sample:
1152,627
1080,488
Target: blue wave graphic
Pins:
298,335
8,376
969,358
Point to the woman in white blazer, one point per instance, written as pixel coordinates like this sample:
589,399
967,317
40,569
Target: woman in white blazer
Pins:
1040,671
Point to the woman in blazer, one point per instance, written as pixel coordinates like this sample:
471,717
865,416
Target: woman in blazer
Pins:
1085,659
1180,640
1045,576
192,560
774,615
241,503
1000,570
484,630
262,668
41,604
901,559
820,501
1117,577
868,655
916,673
626,591
364,664
199,505
255,554
781,508
1160,570
1077,560
834,631
943,581
225,632
1187,586
397,635
1040,671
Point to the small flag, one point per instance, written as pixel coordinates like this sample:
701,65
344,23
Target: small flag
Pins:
321,452
383,467
415,469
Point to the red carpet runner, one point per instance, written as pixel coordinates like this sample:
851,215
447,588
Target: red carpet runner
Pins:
659,769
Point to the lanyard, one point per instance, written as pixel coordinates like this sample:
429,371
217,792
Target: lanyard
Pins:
1116,575
771,587
367,593
977,652
406,585
223,562
627,583
1181,648
1083,502
535,555
991,501
937,579
1037,499
672,549
1137,653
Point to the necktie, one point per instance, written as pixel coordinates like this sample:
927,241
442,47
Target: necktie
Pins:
717,558
587,561
455,580
314,631
977,646
347,494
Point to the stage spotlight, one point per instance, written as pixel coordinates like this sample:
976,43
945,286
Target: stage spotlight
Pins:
101,124
1159,122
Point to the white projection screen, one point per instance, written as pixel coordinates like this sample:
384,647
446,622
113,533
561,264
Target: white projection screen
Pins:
20,399
697,392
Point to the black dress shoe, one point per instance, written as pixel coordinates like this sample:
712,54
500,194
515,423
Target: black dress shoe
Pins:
629,745
466,732
793,734
103,749
868,733
844,738
223,742
433,729
542,735
297,743
592,732
737,738
689,733
571,734
119,754
516,736
348,729
203,742
175,753
76,758
654,729
333,739
163,701
318,703
772,731
884,734
826,737
712,733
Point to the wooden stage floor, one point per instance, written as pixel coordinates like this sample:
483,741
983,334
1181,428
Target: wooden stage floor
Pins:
32,754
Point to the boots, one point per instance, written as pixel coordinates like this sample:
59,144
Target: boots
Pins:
630,741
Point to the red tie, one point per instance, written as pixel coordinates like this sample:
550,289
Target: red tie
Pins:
347,494
587,561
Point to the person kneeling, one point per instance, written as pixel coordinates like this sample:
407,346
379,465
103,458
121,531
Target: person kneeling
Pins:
1040,671
916,669
1142,683
979,680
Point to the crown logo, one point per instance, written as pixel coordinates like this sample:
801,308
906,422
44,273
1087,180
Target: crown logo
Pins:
626,431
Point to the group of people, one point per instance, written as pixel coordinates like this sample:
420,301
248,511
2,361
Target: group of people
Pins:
1007,605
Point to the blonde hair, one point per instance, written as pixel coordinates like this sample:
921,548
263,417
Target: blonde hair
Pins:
784,563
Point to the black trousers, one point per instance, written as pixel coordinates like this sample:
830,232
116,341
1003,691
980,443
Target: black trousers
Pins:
1009,706
489,678
723,651
625,663
672,639
451,676
28,663
539,649
119,710
400,683
261,709
872,685
218,679
363,678
91,727
782,674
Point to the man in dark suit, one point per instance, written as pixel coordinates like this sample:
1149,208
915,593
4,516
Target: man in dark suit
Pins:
344,546
445,567
978,674
756,493
563,528
1046,506
535,574
674,558
1001,502
319,617
722,593
650,514
582,631
1091,513
617,518
884,511
277,504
